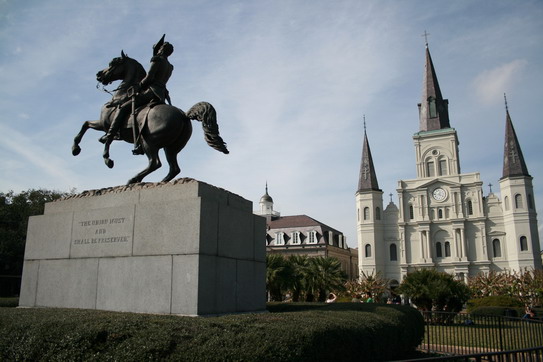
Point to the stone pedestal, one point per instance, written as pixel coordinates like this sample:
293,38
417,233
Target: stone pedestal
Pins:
184,247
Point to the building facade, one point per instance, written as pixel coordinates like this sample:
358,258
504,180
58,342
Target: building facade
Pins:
303,235
443,220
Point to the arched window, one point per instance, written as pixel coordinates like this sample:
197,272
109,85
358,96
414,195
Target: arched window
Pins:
411,213
377,213
368,250
506,202
496,248
439,253
366,213
393,252
470,207
430,170
447,249
523,243
440,214
518,201
442,167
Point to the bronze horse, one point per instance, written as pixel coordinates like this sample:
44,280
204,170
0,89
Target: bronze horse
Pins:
162,126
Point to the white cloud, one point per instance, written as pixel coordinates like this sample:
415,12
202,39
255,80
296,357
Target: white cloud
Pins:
290,81
30,152
490,85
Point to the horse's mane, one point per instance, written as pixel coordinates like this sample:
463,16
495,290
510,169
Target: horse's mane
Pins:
140,70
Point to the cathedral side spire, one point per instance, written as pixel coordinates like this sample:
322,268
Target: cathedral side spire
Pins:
368,178
433,109
513,160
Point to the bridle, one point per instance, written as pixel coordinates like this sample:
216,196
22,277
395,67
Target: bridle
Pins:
111,93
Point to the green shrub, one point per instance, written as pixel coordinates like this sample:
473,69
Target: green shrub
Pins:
495,311
9,302
493,301
291,332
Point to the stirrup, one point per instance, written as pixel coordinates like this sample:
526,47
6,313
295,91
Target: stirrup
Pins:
105,138
138,150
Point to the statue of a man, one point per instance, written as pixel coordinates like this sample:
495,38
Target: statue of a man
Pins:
152,89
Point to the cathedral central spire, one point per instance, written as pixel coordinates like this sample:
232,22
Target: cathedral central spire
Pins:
433,109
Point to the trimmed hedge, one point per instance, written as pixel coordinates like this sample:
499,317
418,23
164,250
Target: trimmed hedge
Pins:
494,301
9,302
291,332
495,311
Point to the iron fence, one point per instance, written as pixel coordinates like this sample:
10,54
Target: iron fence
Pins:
521,355
468,334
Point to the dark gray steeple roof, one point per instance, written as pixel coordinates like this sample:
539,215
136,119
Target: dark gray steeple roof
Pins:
368,178
513,160
266,197
433,109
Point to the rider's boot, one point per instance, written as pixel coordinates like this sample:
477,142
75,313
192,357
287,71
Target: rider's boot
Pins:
138,149
110,135
114,128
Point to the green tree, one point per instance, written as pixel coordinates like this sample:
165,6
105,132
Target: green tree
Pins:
433,290
373,285
278,276
15,209
324,275
299,265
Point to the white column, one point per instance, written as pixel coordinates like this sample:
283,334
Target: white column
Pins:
464,243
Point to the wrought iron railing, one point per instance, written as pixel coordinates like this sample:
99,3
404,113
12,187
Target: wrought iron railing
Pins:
468,334
527,354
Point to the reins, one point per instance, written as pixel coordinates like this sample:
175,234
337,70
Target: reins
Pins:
107,91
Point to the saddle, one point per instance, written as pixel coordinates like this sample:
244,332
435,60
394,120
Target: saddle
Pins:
128,122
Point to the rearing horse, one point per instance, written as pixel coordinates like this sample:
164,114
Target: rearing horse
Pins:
162,125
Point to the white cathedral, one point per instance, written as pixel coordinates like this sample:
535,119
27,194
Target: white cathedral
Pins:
443,220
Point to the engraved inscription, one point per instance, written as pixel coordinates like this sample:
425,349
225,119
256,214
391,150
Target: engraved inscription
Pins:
102,230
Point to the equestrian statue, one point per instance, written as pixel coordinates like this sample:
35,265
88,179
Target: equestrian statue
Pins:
138,113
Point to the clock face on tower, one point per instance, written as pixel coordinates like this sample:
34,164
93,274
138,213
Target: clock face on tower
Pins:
439,194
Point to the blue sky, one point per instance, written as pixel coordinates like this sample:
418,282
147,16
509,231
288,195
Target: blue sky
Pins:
291,81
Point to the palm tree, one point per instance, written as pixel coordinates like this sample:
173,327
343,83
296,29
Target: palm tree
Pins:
373,285
324,275
300,267
278,276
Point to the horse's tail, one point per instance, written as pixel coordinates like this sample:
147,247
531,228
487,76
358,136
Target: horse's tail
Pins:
205,113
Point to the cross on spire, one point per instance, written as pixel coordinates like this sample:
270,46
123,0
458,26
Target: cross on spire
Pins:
490,186
364,116
505,99
425,35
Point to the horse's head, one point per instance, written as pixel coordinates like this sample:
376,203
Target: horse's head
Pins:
121,68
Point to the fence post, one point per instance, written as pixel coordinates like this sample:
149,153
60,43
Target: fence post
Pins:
500,328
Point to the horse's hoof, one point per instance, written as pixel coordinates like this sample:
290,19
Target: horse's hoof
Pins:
76,150
132,181
109,163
